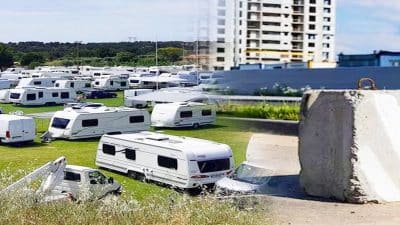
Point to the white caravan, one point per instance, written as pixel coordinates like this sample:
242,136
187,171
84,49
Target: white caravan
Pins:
183,114
181,162
37,82
129,102
62,182
111,83
77,85
7,84
5,96
93,120
42,96
16,129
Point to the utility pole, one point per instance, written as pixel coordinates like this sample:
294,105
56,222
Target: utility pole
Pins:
77,53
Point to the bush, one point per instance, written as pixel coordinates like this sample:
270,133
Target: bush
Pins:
262,111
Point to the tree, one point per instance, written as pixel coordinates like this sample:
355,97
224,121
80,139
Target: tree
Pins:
125,57
6,58
170,54
32,59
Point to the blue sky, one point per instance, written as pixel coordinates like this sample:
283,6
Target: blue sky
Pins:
362,25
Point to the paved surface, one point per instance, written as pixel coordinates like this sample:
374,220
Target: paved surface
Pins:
288,204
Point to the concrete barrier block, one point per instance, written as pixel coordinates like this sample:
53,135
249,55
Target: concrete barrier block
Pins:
349,145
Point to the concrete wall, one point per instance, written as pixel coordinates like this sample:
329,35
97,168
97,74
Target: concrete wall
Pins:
349,147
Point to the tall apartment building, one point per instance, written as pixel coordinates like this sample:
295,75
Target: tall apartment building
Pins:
271,31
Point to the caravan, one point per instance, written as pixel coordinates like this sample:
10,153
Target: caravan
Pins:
77,85
37,82
182,162
16,129
183,114
111,83
93,120
42,96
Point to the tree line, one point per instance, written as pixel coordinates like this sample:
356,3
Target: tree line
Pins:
32,54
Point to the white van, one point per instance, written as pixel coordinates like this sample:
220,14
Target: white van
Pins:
182,162
183,114
42,96
16,129
93,120
111,83
77,85
37,82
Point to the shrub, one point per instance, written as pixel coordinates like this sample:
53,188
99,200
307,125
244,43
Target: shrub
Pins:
262,111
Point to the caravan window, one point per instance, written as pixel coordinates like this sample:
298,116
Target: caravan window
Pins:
72,84
70,176
60,123
90,123
206,112
54,94
186,114
213,165
37,83
41,94
167,162
134,81
108,149
123,84
112,83
31,97
136,119
15,95
130,154
64,94
87,85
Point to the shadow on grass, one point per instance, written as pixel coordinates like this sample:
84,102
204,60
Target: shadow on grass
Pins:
206,127
23,145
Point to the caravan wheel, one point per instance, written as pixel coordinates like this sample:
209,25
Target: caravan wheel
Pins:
196,125
137,176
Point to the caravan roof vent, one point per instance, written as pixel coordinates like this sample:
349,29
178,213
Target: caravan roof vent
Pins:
158,138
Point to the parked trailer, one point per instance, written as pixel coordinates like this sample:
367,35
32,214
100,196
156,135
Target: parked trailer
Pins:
183,114
181,162
111,83
16,129
5,96
93,120
42,96
37,82
129,102
77,85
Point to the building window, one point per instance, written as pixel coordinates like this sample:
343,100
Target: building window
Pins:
312,18
327,2
90,123
108,149
186,114
31,97
221,12
327,19
311,27
136,119
220,40
326,28
327,10
221,31
313,9
325,45
221,22
221,3
130,154
312,1
311,37
64,95
311,44
167,162
221,50
220,59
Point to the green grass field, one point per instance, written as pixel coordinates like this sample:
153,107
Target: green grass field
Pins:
82,152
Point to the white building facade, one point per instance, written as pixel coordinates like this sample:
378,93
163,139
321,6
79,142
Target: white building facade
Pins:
271,32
